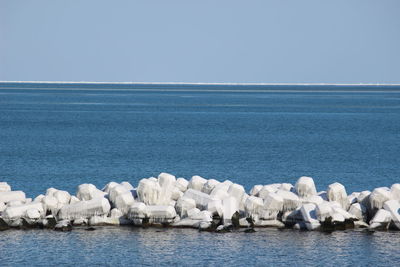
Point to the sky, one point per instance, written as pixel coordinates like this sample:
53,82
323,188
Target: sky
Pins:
282,41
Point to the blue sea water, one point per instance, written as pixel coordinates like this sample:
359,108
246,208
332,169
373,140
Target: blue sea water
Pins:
63,135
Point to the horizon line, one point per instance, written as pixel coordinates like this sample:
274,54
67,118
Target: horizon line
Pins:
205,83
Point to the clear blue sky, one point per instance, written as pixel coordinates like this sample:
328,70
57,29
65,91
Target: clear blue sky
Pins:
341,41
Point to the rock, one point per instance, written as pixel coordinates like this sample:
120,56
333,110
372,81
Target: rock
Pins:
62,197
201,199
2,207
33,213
253,206
17,212
74,200
393,206
3,224
107,188
219,193
149,192
378,197
266,190
229,207
39,198
290,200
209,186
237,191
7,196
103,220
116,213
137,213
123,201
273,204
324,211
286,187
182,184
85,209
15,203
363,195
63,226
352,198
337,192
197,183
313,200
50,204
269,223
359,211
89,192
5,187
305,187
255,190
215,207
381,220
395,191
160,214
192,212
128,186
183,205
308,211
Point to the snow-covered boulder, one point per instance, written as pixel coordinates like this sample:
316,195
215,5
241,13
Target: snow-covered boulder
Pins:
266,190
160,214
337,192
182,184
107,188
286,187
305,187
63,197
85,209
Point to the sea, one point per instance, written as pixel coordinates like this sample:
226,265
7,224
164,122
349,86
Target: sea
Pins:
64,134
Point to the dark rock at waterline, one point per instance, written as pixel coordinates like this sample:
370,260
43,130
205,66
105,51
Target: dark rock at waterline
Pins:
250,230
3,225
235,220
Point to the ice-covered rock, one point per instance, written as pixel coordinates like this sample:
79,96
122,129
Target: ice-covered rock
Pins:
2,206
219,193
229,207
182,184
63,197
85,209
193,212
183,205
324,210
378,197
312,199
176,193
16,212
73,200
253,206
127,185
237,191
305,187
266,190
224,186
137,212
352,198
149,191
39,198
308,211
116,213
255,190
209,186
323,195
160,214
290,200
337,192
381,220
395,191
166,180
269,223
89,192
363,195
197,183
286,187
123,201
201,199
14,203
50,191
273,204
33,213
63,225
393,206
359,211
4,187
107,188
215,207
8,196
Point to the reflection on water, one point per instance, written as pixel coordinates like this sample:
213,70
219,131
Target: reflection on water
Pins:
164,246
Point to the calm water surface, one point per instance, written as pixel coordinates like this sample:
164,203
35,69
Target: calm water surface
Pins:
64,135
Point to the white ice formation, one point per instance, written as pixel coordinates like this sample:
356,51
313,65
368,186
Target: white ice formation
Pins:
206,204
